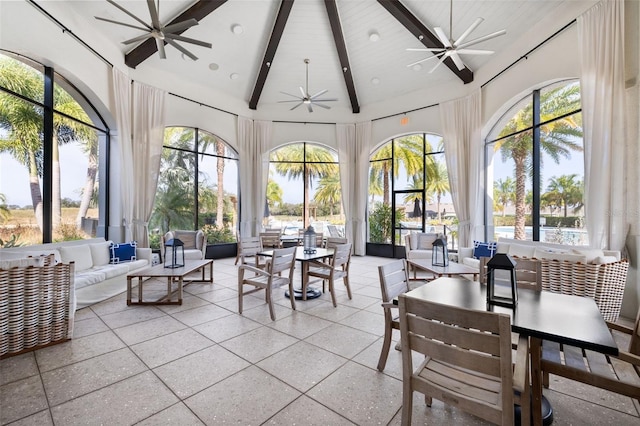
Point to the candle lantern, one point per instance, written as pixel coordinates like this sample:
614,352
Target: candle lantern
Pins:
440,253
174,253
309,240
501,262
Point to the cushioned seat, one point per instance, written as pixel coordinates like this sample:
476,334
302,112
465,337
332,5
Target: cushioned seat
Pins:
194,242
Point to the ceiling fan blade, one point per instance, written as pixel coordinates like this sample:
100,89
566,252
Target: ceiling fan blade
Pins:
442,36
481,39
456,60
155,20
475,52
130,14
424,49
121,23
324,100
182,49
422,60
174,28
136,39
160,45
309,107
289,94
292,100
442,58
322,106
188,40
468,31
296,106
304,95
322,92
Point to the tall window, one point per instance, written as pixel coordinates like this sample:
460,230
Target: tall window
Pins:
304,189
409,190
197,187
536,168
50,139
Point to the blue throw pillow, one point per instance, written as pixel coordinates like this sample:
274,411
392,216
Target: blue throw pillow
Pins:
481,249
123,252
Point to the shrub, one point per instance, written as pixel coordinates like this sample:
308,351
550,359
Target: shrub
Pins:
218,235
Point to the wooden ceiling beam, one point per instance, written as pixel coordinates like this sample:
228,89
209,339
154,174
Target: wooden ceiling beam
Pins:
341,47
198,11
272,47
423,34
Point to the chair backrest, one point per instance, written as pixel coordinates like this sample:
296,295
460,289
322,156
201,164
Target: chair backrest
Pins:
249,246
333,231
270,239
334,241
281,260
341,256
476,341
394,279
528,273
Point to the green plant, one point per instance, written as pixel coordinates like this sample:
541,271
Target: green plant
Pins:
154,241
68,232
218,235
380,228
13,242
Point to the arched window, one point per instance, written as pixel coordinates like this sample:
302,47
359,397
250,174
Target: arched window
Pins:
536,168
409,191
50,144
304,189
197,186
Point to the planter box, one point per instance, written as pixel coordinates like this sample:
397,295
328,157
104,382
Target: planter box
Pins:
385,250
221,251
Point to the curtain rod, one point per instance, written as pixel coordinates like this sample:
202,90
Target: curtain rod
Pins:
67,30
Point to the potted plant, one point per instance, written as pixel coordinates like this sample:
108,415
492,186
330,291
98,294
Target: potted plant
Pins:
221,242
381,232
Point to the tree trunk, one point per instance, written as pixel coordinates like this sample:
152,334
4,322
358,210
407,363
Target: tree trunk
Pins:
385,186
56,208
90,181
34,187
521,175
305,209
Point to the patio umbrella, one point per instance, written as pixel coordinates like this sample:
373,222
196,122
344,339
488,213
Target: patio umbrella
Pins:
266,209
417,211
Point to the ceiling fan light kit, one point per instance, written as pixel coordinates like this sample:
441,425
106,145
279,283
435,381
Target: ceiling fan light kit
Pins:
161,34
306,98
454,48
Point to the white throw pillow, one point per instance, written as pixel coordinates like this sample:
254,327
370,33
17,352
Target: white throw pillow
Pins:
605,259
100,253
503,248
425,241
521,250
591,254
80,254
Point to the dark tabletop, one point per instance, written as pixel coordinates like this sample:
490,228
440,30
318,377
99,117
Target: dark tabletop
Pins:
572,320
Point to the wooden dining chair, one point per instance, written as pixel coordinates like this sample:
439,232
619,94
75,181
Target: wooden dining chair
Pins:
270,240
468,361
336,268
334,241
528,272
277,273
394,280
249,247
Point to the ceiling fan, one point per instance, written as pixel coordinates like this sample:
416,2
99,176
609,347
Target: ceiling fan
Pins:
306,98
452,49
157,31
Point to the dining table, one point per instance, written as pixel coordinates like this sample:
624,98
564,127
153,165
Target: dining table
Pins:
304,257
540,315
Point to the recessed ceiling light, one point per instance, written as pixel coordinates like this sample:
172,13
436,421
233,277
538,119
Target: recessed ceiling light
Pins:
375,80
213,66
416,67
374,36
234,76
237,29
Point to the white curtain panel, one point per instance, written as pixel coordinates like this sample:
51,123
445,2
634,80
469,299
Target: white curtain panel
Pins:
347,157
253,141
601,46
361,187
148,137
122,99
463,147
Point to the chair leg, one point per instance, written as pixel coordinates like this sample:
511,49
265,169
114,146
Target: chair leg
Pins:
346,283
407,405
386,343
270,303
333,293
240,295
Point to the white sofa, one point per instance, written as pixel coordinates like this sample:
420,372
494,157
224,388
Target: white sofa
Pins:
419,245
95,278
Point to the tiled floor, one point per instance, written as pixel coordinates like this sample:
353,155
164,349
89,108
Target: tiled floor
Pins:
202,363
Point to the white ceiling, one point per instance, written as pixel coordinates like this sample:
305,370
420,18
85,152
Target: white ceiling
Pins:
308,35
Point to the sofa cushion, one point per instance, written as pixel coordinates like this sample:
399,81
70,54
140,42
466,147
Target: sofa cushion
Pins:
605,259
188,238
111,271
80,254
100,253
425,240
591,254
88,277
6,254
22,262
123,252
482,249
472,262
521,250
134,265
541,253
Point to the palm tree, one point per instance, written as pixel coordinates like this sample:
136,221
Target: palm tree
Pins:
566,190
306,160
503,193
408,152
4,210
437,181
274,193
329,192
557,139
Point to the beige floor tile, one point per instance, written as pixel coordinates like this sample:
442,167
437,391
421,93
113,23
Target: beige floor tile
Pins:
88,326
41,418
218,295
21,398
331,313
177,414
170,347
568,410
300,325
366,321
147,330
226,328
305,411
342,340
188,302
18,367
133,315
258,344
201,314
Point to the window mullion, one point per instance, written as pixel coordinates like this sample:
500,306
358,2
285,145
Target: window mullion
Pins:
47,148
536,154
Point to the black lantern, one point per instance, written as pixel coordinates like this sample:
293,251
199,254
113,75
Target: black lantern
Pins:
174,253
440,253
309,240
501,262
